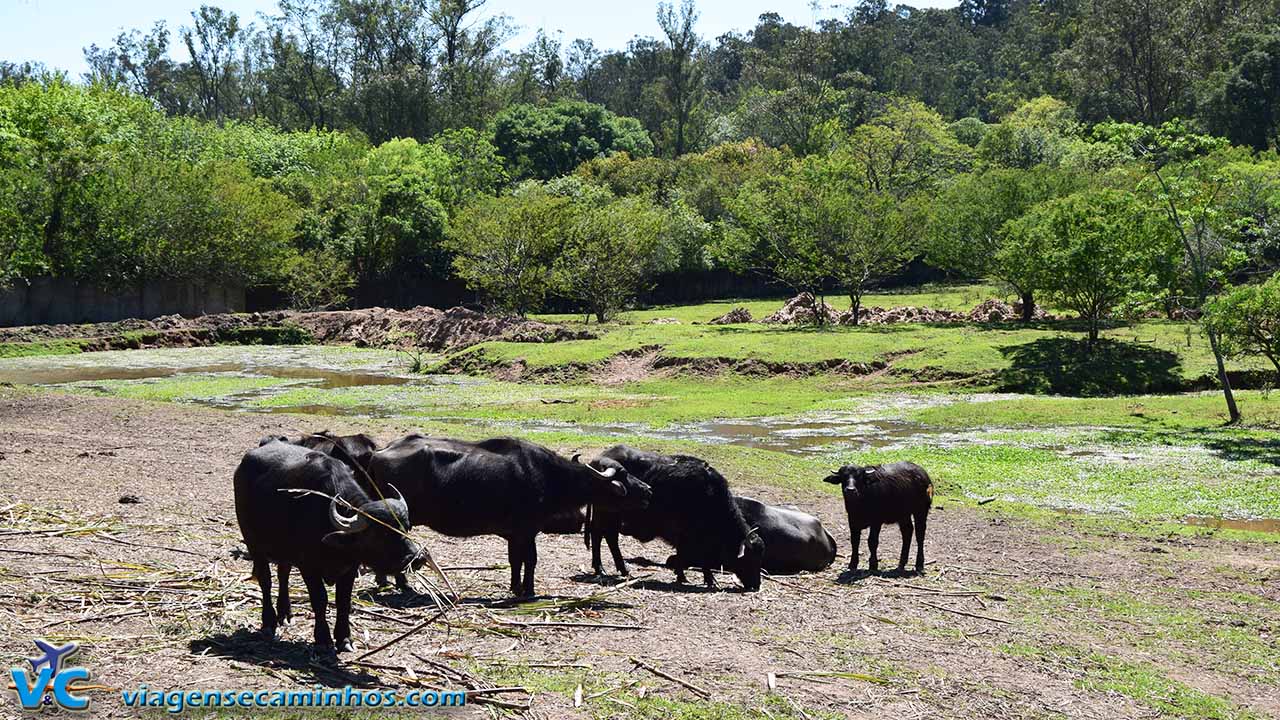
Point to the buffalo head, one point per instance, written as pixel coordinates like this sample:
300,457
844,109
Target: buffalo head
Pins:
614,487
377,533
854,480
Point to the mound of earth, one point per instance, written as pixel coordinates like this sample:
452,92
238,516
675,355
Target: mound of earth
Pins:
423,327
906,314
426,327
799,310
733,317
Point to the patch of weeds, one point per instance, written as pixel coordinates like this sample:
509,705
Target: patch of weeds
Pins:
42,348
181,388
1171,626
286,334
1142,682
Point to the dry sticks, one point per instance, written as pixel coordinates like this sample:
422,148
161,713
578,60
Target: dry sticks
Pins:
704,694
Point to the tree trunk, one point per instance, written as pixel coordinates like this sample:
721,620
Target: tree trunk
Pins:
855,307
1232,409
818,316
1028,306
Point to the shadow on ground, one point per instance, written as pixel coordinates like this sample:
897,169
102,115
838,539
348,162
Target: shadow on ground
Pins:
252,648
1067,366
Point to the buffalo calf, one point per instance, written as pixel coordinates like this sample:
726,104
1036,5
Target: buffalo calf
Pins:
876,495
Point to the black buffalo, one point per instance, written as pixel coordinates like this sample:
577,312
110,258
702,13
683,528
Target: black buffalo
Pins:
327,535
793,541
505,486
876,495
354,450
692,510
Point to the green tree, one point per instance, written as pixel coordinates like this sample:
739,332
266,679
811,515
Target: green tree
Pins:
781,228
610,253
1247,320
1092,251
682,90
505,246
968,225
546,142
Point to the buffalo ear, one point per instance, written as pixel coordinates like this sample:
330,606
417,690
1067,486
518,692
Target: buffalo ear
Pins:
618,488
834,478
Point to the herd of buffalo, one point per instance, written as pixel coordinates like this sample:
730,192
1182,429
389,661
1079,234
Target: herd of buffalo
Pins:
330,505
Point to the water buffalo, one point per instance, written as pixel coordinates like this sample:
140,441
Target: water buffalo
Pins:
504,486
327,533
793,541
876,495
692,510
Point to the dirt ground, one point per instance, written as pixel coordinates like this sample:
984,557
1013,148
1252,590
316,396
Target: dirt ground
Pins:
152,591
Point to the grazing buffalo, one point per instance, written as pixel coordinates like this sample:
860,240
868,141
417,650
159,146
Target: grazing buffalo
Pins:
505,486
876,495
327,532
692,510
793,541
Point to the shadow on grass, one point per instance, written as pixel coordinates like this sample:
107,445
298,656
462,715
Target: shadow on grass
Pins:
253,648
1067,366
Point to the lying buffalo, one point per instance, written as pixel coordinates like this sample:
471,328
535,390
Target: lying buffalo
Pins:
692,510
793,541
877,495
327,532
505,487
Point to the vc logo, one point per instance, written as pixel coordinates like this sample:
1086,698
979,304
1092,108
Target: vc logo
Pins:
48,682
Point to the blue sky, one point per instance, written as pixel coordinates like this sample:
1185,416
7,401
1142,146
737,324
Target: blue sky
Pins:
56,31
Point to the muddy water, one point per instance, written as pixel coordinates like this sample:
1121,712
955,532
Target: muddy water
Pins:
1267,525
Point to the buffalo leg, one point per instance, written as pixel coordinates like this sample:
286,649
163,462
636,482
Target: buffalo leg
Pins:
677,564
597,565
515,557
709,578
319,605
906,528
921,520
530,562
873,541
616,552
262,571
342,623
855,539
284,611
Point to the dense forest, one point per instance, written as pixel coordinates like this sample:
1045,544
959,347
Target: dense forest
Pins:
1114,155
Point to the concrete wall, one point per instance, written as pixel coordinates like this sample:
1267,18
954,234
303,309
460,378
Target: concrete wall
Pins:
49,301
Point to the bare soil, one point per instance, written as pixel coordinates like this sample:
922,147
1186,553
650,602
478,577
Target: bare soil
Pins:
153,593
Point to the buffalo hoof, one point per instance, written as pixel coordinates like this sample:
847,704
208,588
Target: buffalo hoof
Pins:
284,619
270,632
324,652
345,646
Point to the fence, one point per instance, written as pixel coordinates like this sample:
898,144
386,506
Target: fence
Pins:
50,300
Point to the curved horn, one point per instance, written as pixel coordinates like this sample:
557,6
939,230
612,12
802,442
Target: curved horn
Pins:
346,525
576,457
398,496
604,473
